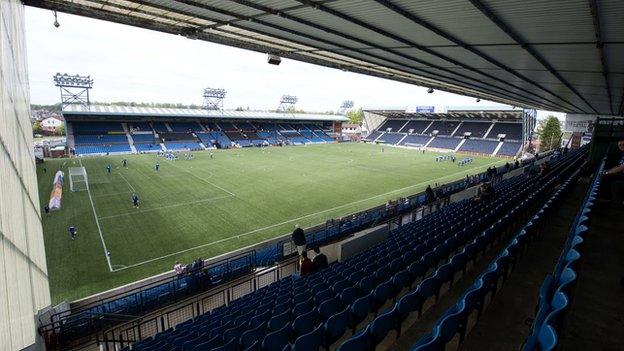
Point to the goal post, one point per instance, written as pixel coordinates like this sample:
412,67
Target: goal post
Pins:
78,179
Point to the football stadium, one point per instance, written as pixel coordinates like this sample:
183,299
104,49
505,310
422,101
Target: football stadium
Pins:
171,227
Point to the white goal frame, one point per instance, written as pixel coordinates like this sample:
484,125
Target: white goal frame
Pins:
78,180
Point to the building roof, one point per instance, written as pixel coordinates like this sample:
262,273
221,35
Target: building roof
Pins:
156,112
565,55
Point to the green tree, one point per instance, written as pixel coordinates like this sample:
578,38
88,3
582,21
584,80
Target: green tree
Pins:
549,134
37,128
61,130
355,116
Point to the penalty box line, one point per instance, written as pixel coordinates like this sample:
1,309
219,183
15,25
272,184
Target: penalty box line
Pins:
294,220
167,206
203,180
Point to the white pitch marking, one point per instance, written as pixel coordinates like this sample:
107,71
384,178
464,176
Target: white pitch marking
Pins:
97,222
294,220
168,206
204,180
127,182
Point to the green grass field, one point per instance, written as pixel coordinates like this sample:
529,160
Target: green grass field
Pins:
206,207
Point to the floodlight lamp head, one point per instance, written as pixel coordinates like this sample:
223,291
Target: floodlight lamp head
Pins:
289,99
347,104
430,90
214,93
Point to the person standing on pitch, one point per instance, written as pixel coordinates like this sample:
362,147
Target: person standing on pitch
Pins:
72,231
135,200
299,239
109,168
157,166
125,163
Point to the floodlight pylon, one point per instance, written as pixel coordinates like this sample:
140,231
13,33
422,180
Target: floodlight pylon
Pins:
213,98
74,89
287,102
345,106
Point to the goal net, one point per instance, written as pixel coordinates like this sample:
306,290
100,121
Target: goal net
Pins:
78,179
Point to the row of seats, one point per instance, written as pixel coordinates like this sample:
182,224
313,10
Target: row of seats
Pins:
433,286
555,292
304,311
101,149
96,127
477,129
455,321
449,134
480,146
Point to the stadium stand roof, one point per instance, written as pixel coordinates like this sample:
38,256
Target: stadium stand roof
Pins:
154,112
556,55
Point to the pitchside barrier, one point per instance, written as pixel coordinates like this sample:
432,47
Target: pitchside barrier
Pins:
241,267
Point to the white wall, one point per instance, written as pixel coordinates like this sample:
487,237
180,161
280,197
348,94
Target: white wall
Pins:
23,272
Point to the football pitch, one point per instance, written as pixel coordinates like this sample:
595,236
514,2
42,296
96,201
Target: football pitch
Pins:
209,206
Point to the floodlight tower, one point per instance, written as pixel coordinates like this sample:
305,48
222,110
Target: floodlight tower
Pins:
345,106
286,102
213,98
74,89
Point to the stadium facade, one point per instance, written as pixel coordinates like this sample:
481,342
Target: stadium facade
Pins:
98,130
23,278
487,131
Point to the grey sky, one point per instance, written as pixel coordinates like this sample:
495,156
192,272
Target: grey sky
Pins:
134,64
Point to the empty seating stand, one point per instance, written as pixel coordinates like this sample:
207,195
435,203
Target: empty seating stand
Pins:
413,140
476,129
99,138
444,143
479,146
536,208
512,131
443,127
391,138
416,126
392,125
556,293
482,135
509,148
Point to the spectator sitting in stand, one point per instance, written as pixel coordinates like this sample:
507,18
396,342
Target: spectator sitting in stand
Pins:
485,193
320,260
177,268
305,264
613,178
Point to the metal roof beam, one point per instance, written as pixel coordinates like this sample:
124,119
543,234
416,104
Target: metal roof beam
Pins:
331,31
593,9
87,11
423,48
518,39
423,23
267,9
